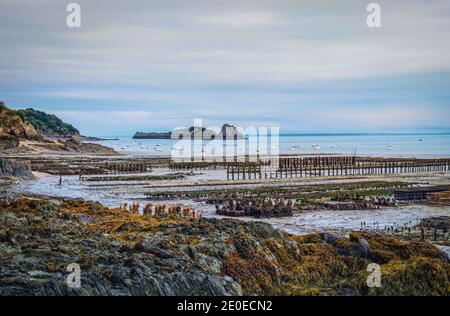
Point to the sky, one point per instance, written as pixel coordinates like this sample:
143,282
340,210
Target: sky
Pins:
303,66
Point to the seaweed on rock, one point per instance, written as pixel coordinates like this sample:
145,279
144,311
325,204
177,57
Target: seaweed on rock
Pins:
168,253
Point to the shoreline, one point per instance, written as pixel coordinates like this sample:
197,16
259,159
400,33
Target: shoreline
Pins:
116,198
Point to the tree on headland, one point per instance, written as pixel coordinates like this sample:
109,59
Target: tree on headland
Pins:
48,124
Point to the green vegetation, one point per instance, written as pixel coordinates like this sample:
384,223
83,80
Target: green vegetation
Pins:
31,123
48,124
4,111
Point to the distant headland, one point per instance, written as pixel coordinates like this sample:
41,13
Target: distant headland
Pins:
34,131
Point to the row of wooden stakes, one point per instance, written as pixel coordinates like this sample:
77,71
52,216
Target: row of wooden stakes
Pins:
161,210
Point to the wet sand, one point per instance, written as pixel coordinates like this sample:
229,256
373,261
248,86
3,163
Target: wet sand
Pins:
114,194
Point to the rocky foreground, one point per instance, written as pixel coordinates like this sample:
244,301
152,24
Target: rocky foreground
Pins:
124,253
12,169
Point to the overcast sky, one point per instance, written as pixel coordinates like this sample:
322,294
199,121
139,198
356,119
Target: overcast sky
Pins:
307,66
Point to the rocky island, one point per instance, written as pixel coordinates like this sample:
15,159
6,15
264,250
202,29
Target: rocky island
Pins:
227,132
152,135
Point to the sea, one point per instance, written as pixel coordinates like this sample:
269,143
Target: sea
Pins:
420,145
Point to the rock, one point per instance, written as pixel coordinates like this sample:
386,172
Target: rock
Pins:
439,222
13,123
363,248
330,238
178,256
9,168
73,145
150,247
8,142
227,132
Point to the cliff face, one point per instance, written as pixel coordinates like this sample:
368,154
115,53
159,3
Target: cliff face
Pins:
13,124
30,124
23,131
124,253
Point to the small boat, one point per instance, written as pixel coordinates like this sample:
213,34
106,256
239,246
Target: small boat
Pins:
157,147
420,140
389,147
293,148
316,147
178,147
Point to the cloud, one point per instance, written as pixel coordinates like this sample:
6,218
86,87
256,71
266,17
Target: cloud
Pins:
241,60
239,20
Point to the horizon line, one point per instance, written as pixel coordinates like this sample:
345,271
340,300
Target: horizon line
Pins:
319,134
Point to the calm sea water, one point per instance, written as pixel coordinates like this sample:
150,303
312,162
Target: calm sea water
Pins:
400,145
